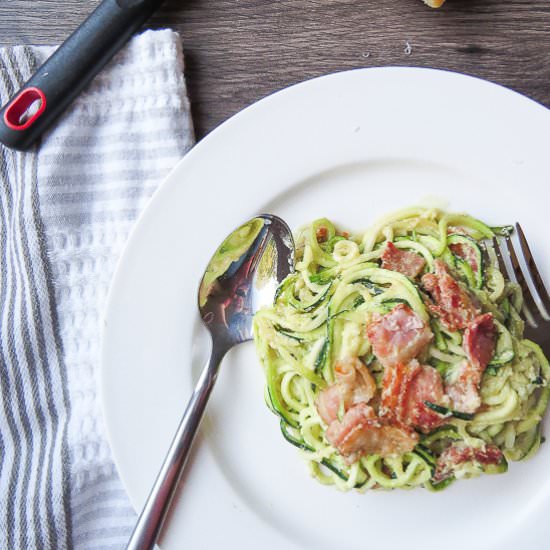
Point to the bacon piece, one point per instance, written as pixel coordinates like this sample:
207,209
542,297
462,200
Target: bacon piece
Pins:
329,402
467,253
397,379
425,386
479,345
458,454
406,388
398,336
404,261
321,234
365,386
361,432
453,305
354,384
479,340
463,388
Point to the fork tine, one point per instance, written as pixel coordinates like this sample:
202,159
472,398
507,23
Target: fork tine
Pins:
533,270
529,305
501,264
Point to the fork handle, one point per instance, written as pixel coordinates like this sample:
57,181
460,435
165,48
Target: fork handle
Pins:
158,502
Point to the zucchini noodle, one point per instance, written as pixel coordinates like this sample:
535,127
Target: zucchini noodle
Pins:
319,317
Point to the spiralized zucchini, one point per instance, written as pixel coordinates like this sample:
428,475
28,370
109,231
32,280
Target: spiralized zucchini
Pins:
319,317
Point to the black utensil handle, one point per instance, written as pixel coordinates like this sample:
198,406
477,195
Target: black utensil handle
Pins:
61,78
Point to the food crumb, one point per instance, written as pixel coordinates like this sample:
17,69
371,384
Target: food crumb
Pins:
408,48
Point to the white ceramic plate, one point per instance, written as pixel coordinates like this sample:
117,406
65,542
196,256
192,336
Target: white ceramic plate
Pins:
350,146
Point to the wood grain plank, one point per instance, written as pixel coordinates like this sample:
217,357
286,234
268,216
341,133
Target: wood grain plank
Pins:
238,51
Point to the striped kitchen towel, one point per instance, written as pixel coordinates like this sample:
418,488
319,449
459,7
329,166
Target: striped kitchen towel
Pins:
66,209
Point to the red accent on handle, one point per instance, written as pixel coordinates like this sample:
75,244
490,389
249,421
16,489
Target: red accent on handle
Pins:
20,105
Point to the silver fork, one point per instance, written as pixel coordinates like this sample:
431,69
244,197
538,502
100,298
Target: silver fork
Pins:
536,306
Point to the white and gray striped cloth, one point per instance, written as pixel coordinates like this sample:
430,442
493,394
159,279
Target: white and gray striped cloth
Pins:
66,210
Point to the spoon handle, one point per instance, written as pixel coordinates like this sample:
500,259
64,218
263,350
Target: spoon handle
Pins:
156,507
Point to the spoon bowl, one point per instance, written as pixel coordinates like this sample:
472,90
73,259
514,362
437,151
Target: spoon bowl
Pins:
243,276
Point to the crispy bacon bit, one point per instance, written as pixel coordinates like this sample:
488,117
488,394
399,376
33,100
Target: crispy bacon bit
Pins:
458,454
479,345
479,340
467,253
321,234
425,386
361,433
398,336
354,384
397,379
453,305
404,261
406,388
463,388
365,385
329,402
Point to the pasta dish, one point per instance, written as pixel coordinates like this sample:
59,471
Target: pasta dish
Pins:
396,358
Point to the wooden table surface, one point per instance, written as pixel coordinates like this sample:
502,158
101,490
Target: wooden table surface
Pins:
238,51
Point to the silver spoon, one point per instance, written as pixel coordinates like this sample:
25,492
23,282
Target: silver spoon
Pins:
241,277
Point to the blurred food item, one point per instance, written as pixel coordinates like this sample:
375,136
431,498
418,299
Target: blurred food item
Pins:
434,3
